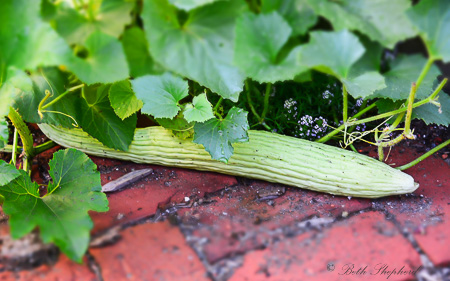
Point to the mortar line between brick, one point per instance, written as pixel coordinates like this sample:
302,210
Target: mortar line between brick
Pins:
285,233
424,258
94,266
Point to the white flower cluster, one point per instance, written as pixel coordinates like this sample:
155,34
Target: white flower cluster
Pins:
327,95
312,128
288,104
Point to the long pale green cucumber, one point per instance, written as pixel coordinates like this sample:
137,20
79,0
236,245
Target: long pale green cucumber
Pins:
267,156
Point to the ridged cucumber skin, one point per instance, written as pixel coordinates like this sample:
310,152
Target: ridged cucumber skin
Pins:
267,156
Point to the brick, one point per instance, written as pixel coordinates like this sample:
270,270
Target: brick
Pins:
363,240
150,252
143,197
236,222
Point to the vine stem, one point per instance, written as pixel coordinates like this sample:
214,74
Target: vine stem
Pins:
37,149
14,147
216,107
412,95
25,136
59,97
418,160
266,102
430,99
249,99
424,72
345,105
338,129
380,143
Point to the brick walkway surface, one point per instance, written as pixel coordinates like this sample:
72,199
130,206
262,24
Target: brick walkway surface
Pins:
179,224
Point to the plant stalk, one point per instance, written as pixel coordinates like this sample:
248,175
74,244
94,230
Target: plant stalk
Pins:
266,102
25,136
59,97
345,105
424,72
418,160
14,147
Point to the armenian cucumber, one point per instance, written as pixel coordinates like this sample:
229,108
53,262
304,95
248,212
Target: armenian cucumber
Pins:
267,156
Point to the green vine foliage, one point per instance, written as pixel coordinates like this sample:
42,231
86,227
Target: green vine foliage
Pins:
189,65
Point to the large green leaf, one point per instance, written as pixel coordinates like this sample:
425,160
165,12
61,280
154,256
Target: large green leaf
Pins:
199,111
201,48
190,4
31,91
432,19
178,125
217,136
365,84
332,52
123,99
107,16
160,94
16,81
62,214
100,121
382,20
297,13
404,71
4,133
26,41
7,173
335,53
259,39
136,50
432,114
105,61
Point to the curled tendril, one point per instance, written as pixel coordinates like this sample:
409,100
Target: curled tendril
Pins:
42,105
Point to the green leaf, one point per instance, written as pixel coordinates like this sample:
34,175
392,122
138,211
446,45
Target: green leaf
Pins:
178,125
297,13
199,111
123,100
370,60
16,80
432,114
432,20
62,214
107,16
341,54
100,121
160,94
4,133
105,62
217,136
7,173
26,41
190,4
31,91
136,50
429,112
382,20
26,44
404,71
201,48
332,52
259,39
365,84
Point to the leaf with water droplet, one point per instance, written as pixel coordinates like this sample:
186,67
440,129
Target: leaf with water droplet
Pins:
217,136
